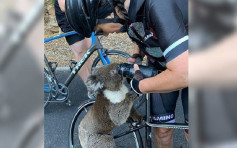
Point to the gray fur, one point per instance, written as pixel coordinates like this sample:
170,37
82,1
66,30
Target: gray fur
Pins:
104,116
93,86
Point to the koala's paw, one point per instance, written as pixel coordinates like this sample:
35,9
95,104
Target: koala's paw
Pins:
138,118
132,95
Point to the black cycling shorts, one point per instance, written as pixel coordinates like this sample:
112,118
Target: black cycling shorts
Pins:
163,105
64,25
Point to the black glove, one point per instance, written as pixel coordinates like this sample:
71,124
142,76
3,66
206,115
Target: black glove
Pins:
138,58
138,76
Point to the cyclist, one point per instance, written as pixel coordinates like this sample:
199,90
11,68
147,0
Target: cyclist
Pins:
78,43
159,29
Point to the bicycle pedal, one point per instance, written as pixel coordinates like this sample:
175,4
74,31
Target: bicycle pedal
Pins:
72,64
53,66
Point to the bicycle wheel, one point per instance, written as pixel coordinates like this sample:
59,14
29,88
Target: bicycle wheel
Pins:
113,55
131,140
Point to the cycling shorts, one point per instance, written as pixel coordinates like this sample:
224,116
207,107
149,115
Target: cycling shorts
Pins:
64,25
163,105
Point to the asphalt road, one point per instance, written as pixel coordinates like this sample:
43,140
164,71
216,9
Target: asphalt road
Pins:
58,116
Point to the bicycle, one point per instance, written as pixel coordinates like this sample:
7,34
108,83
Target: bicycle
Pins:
129,132
58,92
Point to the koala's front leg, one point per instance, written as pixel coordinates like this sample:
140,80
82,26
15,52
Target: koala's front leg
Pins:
120,112
131,96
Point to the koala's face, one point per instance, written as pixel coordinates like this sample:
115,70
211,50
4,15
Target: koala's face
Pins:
109,75
106,77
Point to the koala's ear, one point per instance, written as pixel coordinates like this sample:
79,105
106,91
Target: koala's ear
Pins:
94,69
94,85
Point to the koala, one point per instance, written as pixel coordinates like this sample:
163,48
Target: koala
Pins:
112,107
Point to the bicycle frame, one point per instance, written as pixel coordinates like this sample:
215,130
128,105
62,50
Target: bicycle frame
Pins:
97,45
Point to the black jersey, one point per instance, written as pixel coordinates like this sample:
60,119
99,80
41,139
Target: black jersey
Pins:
166,37
165,24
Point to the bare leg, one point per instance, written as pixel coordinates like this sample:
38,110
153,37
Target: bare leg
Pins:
163,137
79,49
186,134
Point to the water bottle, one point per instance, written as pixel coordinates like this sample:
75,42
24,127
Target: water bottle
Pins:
127,70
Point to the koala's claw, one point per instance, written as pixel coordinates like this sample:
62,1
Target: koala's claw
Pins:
138,118
132,95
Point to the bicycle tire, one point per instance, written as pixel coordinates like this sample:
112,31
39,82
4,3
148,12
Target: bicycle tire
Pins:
82,110
111,52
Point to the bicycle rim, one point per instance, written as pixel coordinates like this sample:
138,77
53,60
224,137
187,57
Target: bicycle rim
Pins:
131,140
115,56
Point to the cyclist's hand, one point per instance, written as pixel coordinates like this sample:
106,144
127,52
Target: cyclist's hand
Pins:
138,76
136,59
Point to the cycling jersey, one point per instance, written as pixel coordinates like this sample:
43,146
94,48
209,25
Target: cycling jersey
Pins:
165,25
164,37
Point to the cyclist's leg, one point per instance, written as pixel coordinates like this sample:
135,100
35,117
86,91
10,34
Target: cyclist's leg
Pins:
162,110
184,96
79,48
163,137
77,43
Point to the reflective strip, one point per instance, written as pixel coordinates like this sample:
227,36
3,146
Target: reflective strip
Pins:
175,44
